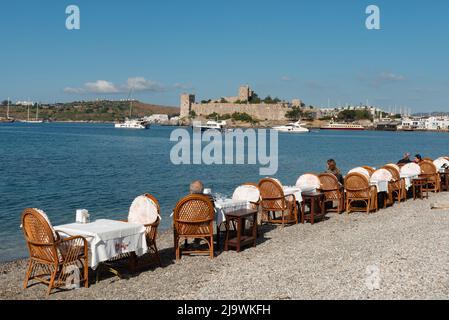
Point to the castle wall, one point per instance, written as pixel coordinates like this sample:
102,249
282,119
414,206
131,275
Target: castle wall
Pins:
258,111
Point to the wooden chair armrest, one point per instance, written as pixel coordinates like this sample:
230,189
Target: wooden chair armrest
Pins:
72,248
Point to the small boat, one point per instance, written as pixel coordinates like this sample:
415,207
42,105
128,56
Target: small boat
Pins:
342,126
133,124
211,125
292,128
7,119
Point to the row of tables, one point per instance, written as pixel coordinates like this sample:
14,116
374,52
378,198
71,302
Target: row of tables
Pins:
108,239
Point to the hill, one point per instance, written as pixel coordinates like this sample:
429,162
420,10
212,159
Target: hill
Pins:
103,110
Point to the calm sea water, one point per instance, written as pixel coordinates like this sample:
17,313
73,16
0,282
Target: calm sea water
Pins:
64,167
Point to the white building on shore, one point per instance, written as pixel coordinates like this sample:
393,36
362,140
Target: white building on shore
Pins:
425,123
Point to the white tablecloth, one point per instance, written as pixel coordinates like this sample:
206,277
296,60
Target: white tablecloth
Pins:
108,239
228,205
296,191
408,177
381,185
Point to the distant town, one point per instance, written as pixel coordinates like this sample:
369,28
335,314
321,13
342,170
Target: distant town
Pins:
244,109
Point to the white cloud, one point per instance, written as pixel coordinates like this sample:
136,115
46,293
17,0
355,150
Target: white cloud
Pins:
101,86
142,84
138,84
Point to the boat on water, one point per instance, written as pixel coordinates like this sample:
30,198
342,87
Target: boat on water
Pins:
211,125
36,120
133,124
7,119
130,123
295,127
342,126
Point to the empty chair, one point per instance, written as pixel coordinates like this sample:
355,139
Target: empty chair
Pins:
428,159
412,169
384,175
308,182
333,192
397,185
193,218
274,202
429,170
359,190
360,170
370,170
248,192
394,165
146,210
52,259
441,163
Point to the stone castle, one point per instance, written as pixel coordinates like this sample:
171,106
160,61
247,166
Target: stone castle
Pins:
241,104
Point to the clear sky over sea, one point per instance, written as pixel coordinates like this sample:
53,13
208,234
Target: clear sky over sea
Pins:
313,50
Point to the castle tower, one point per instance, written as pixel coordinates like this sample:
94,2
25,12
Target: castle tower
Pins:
186,104
245,93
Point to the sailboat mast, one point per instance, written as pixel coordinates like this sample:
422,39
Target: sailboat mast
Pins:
37,111
28,118
131,103
7,110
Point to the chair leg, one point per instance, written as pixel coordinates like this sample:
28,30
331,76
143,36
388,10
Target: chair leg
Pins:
52,281
28,274
212,247
177,249
86,272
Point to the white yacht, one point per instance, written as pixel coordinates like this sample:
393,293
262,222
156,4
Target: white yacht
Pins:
130,123
292,128
211,125
133,124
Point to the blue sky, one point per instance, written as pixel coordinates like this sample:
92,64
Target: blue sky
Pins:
313,50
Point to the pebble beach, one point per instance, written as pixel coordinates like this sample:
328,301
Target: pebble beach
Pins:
403,247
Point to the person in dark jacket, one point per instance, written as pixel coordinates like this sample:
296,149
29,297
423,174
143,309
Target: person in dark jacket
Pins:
405,160
332,168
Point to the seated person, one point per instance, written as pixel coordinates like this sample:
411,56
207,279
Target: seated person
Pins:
197,187
332,168
405,160
418,159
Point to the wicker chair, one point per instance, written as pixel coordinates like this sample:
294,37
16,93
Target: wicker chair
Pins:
193,218
358,189
371,170
396,187
427,159
274,201
53,260
430,171
254,204
333,191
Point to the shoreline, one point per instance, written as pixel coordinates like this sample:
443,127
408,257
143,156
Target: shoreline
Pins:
404,242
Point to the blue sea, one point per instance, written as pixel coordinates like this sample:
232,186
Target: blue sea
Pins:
63,167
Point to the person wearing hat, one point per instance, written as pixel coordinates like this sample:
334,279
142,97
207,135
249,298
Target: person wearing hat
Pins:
405,160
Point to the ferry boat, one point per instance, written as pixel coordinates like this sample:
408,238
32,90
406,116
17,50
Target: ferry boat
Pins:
292,128
133,124
342,126
211,125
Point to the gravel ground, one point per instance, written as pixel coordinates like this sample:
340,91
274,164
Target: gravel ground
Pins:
398,253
